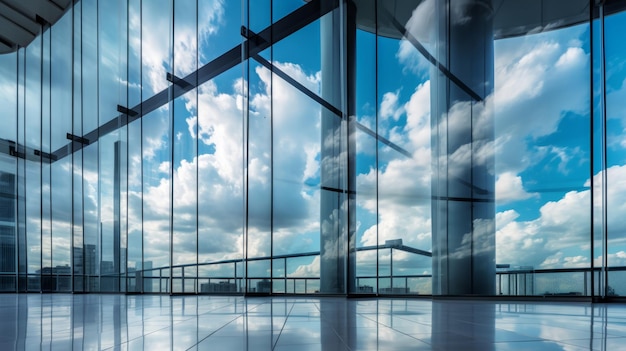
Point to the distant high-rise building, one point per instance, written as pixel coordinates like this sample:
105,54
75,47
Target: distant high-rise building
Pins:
144,277
106,268
7,231
221,287
90,259
56,278
85,265
264,286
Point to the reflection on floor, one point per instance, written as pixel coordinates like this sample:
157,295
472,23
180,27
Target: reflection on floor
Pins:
118,322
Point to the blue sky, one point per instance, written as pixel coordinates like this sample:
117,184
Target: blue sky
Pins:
542,154
542,150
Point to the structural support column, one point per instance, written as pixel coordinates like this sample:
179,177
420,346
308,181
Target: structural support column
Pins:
336,209
463,182
117,156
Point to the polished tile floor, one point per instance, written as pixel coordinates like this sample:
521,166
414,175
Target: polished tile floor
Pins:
118,322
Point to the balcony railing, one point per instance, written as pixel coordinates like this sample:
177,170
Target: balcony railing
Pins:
196,279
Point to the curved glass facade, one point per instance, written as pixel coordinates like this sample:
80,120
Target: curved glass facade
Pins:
458,147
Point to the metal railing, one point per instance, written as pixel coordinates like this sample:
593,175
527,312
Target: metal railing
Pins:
189,279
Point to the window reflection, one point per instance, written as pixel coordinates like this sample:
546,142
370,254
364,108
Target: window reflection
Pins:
403,148
542,162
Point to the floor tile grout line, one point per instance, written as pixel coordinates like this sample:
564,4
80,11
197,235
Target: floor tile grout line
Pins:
178,322
217,330
179,315
283,327
334,330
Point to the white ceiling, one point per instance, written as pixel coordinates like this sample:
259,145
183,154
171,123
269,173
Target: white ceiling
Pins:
21,20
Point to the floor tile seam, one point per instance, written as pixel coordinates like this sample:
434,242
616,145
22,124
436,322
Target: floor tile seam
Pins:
248,309
533,336
217,330
143,335
349,348
322,317
399,331
282,328
600,338
568,342
218,308
374,320
411,320
413,337
342,340
526,335
526,341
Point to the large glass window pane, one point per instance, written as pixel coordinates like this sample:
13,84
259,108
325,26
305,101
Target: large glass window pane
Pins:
21,172
112,149
403,176
297,151
615,123
8,175
134,201
134,154
89,119
598,166
259,172
257,80
219,27
220,173
541,110
366,164
185,176
77,156
32,140
283,8
61,170
48,271
156,144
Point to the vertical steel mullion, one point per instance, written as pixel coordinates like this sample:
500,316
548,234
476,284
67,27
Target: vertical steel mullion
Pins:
24,162
128,72
51,230
376,60
285,274
246,73
143,270
17,176
16,181
99,224
71,11
447,143
591,153
171,142
40,164
604,278
271,147
196,129
391,267
82,154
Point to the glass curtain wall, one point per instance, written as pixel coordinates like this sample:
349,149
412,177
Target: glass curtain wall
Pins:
327,146
542,115
613,90
392,156
10,264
